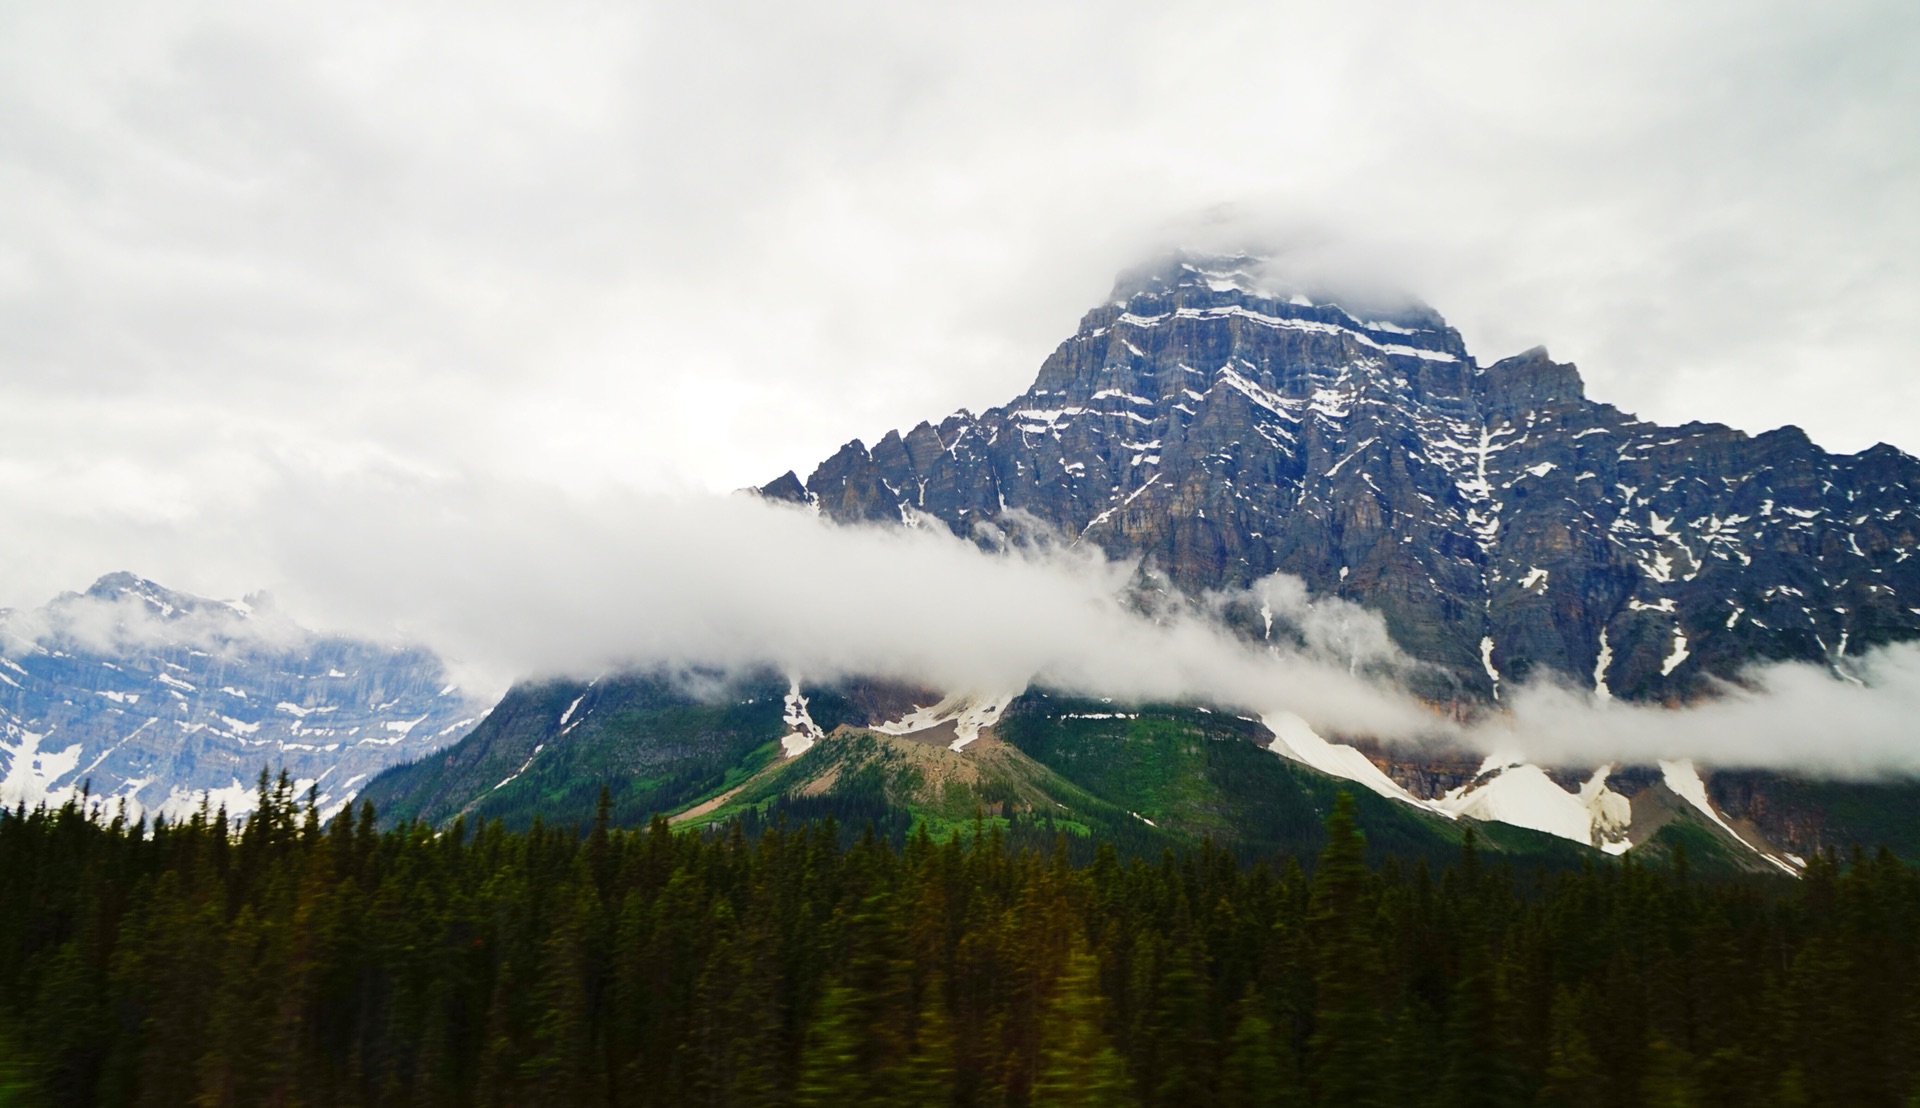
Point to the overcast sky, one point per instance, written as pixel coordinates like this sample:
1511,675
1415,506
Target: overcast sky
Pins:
599,249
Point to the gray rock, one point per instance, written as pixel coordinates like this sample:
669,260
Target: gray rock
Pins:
1503,523
134,691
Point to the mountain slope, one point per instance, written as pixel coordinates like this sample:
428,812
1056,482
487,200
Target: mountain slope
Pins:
1144,777
157,697
1499,520
1222,429
547,747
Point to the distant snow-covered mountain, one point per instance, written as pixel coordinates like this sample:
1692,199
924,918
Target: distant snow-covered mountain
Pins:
137,692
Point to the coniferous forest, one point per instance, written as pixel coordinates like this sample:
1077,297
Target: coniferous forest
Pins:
291,961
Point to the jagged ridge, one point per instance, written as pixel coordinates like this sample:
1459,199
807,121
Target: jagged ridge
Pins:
160,698
1500,520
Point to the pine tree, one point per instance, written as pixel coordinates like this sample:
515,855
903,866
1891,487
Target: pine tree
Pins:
1572,1079
1255,1074
566,1063
1078,1066
1670,1081
20,1077
1479,1071
831,1075
1415,1057
1346,1021
734,1020
928,1078
70,1011
1183,1017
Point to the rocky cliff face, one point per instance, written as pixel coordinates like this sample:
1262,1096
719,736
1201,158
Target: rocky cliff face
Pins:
161,698
1503,523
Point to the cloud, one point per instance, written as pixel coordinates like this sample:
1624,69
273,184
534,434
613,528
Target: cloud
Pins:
135,619
522,583
510,582
442,315
1328,629
1783,716
516,585
610,245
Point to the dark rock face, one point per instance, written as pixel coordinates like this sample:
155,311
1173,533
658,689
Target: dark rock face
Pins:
1811,816
1500,521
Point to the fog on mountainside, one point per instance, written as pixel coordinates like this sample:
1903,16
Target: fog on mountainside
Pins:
1224,425
142,696
738,582
1224,491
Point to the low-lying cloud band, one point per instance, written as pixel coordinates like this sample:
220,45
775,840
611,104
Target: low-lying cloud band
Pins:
526,584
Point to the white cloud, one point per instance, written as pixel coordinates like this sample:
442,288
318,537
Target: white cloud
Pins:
509,580
630,245
130,621
456,261
512,583
1782,716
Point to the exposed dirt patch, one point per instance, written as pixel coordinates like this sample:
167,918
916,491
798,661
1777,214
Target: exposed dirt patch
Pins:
707,806
822,783
942,735
928,752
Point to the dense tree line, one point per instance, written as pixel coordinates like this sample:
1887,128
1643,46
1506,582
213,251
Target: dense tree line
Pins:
290,961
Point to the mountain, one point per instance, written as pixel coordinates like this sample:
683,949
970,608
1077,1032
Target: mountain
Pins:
1221,427
706,750
548,746
1224,428
140,693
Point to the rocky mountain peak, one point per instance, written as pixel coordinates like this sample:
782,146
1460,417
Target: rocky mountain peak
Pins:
1225,425
1531,382
1188,285
137,692
1194,276
121,584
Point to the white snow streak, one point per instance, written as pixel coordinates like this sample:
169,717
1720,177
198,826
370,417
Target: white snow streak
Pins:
802,731
1294,738
1677,655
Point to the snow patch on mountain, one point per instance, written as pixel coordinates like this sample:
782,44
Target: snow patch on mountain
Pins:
1677,655
1601,663
802,731
1612,813
1294,738
1523,795
32,773
970,714
130,691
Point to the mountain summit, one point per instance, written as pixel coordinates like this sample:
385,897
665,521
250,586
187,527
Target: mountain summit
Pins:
1221,425
135,692
1224,426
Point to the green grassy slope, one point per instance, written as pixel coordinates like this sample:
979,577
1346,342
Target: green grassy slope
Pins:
1142,777
653,742
860,776
1196,773
1706,847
